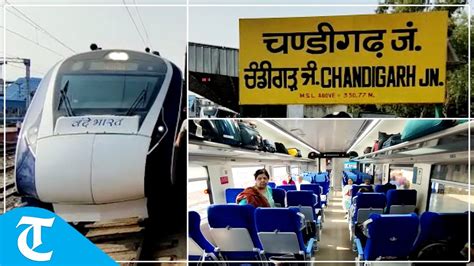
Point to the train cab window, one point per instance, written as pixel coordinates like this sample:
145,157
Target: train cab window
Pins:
98,85
449,188
243,176
96,94
198,190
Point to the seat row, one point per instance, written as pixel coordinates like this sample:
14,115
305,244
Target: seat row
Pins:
395,201
279,194
432,236
243,233
357,176
314,177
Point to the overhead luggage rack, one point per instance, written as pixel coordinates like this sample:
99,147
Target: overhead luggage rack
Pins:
449,145
207,149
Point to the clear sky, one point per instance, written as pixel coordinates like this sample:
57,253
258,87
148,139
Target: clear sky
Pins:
111,27
78,27
220,25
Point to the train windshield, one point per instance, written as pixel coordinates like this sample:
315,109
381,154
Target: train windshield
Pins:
107,94
94,84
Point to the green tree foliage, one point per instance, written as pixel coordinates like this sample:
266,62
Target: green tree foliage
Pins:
456,104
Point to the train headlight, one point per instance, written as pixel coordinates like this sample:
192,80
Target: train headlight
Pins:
31,137
117,56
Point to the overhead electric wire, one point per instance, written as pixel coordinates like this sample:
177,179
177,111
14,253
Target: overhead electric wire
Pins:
143,25
30,40
35,25
134,23
33,71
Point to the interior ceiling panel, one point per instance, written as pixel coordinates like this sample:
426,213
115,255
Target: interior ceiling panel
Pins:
324,135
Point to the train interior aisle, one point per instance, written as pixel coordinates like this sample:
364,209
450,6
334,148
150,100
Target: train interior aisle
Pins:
335,244
328,191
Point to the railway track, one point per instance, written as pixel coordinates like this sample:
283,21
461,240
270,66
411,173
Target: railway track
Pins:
8,192
9,147
132,239
121,239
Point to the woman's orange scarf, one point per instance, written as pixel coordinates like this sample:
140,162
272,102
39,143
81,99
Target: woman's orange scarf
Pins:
253,197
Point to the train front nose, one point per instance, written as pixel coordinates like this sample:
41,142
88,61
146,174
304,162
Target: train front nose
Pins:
91,168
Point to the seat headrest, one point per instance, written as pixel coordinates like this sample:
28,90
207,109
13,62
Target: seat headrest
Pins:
287,187
304,198
312,187
237,216
370,200
281,219
401,197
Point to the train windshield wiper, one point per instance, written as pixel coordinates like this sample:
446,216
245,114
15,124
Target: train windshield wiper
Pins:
140,98
65,99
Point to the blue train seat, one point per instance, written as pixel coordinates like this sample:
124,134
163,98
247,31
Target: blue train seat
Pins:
287,187
231,194
233,229
321,178
384,188
200,249
272,184
356,188
442,236
390,236
279,230
325,192
366,204
401,201
279,196
306,201
316,189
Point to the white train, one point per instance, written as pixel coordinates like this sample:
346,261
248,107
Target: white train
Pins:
98,136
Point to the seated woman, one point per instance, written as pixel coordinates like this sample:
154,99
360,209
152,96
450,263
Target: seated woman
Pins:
288,181
259,195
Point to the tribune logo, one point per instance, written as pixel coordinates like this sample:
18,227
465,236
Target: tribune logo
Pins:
35,224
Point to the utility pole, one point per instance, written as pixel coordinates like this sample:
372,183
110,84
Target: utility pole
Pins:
27,63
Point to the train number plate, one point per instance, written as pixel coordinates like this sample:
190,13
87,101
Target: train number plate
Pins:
97,124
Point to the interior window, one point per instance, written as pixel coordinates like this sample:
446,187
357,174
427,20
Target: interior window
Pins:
243,175
402,177
449,188
198,190
279,174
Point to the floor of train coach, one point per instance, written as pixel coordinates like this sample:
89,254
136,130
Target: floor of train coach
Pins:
335,244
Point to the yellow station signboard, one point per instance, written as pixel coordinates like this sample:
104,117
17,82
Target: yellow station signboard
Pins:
360,59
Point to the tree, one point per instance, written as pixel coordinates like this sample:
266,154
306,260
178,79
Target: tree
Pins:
456,104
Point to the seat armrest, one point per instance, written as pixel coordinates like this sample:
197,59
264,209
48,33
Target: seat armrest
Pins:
309,246
360,249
